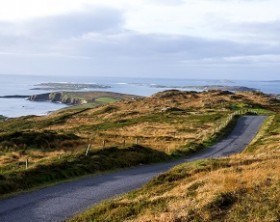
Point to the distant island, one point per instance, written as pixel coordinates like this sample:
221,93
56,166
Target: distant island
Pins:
88,86
271,81
224,88
208,87
69,86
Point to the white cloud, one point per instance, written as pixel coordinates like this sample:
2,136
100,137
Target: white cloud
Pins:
214,19
255,59
17,10
248,60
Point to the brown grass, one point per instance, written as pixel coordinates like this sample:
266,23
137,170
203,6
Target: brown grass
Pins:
142,119
170,122
243,187
216,195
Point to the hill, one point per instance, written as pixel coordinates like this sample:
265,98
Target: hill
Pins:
82,140
244,187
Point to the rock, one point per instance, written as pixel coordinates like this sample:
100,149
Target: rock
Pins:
57,97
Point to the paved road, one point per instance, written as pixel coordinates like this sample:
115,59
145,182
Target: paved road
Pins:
61,201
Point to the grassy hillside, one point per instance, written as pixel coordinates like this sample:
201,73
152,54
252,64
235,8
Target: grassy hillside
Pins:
166,125
244,187
92,99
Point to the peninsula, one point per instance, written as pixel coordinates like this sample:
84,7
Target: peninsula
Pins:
79,98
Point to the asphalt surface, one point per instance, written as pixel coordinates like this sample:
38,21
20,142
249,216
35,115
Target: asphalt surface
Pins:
56,203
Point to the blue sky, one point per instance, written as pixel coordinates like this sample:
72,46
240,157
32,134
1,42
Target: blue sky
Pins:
228,39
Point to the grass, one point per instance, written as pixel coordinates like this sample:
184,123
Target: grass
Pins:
207,141
69,166
65,165
171,124
261,134
240,188
77,98
243,187
35,140
105,100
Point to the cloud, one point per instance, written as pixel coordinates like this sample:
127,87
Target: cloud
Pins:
166,2
249,32
98,20
45,34
248,60
254,59
175,47
102,40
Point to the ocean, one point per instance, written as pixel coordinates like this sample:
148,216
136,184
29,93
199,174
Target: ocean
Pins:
24,85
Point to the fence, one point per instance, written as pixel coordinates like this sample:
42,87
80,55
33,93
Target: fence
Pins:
136,140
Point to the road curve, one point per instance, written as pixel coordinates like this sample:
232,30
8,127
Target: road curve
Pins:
56,203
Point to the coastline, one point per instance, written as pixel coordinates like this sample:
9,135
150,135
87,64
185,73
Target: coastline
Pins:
15,91
54,101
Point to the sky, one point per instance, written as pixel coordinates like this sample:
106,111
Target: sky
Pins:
227,39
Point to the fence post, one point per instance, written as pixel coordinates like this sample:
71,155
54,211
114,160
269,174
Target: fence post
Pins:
26,163
136,141
123,142
88,148
104,143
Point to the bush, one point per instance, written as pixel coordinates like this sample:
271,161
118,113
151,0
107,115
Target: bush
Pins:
33,139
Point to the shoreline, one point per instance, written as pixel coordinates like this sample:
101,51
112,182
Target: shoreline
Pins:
14,97
46,103
53,101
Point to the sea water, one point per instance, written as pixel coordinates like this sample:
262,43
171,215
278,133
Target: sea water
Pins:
23,85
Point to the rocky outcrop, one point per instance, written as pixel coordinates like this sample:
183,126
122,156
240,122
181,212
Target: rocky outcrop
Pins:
58,97
40,97
78,98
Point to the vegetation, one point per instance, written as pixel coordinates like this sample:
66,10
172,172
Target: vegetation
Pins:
35,140
77,98
15,177
164,126
244,187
